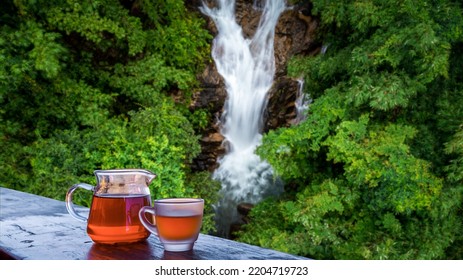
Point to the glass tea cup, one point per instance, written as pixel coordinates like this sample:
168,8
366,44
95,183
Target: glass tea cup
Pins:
177,222
117,198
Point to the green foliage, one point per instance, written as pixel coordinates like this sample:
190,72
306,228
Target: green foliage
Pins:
375,172
88,85
204,187
200,119
455,146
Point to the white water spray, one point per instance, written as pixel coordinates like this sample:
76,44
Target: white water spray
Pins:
247,66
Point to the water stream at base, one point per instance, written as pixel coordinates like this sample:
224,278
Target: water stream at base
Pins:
247,66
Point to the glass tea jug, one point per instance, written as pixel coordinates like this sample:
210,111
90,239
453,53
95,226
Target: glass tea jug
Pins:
117,198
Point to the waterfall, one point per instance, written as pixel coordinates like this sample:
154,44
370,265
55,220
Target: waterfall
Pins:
247,66
302,103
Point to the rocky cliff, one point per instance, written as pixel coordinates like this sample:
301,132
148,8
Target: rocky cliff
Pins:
295,35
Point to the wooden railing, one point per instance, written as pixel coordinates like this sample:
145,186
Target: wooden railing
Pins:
39,228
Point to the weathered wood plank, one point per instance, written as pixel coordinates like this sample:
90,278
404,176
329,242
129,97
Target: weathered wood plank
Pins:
35,227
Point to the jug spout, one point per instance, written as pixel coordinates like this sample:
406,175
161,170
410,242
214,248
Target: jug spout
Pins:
150,176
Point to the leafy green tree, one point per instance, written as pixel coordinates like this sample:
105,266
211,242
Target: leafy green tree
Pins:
375,172
88,85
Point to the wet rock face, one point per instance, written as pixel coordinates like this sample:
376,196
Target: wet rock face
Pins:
294,34
281,108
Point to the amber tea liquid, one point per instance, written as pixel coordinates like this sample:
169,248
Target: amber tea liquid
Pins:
178,228
114,219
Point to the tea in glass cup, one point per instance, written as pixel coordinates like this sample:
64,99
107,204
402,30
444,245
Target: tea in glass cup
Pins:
178,222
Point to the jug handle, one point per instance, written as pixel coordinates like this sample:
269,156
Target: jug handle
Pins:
147,224
70,205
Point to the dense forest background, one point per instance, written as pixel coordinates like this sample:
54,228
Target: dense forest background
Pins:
374,172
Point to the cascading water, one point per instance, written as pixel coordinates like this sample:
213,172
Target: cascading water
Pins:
302,103
247,66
